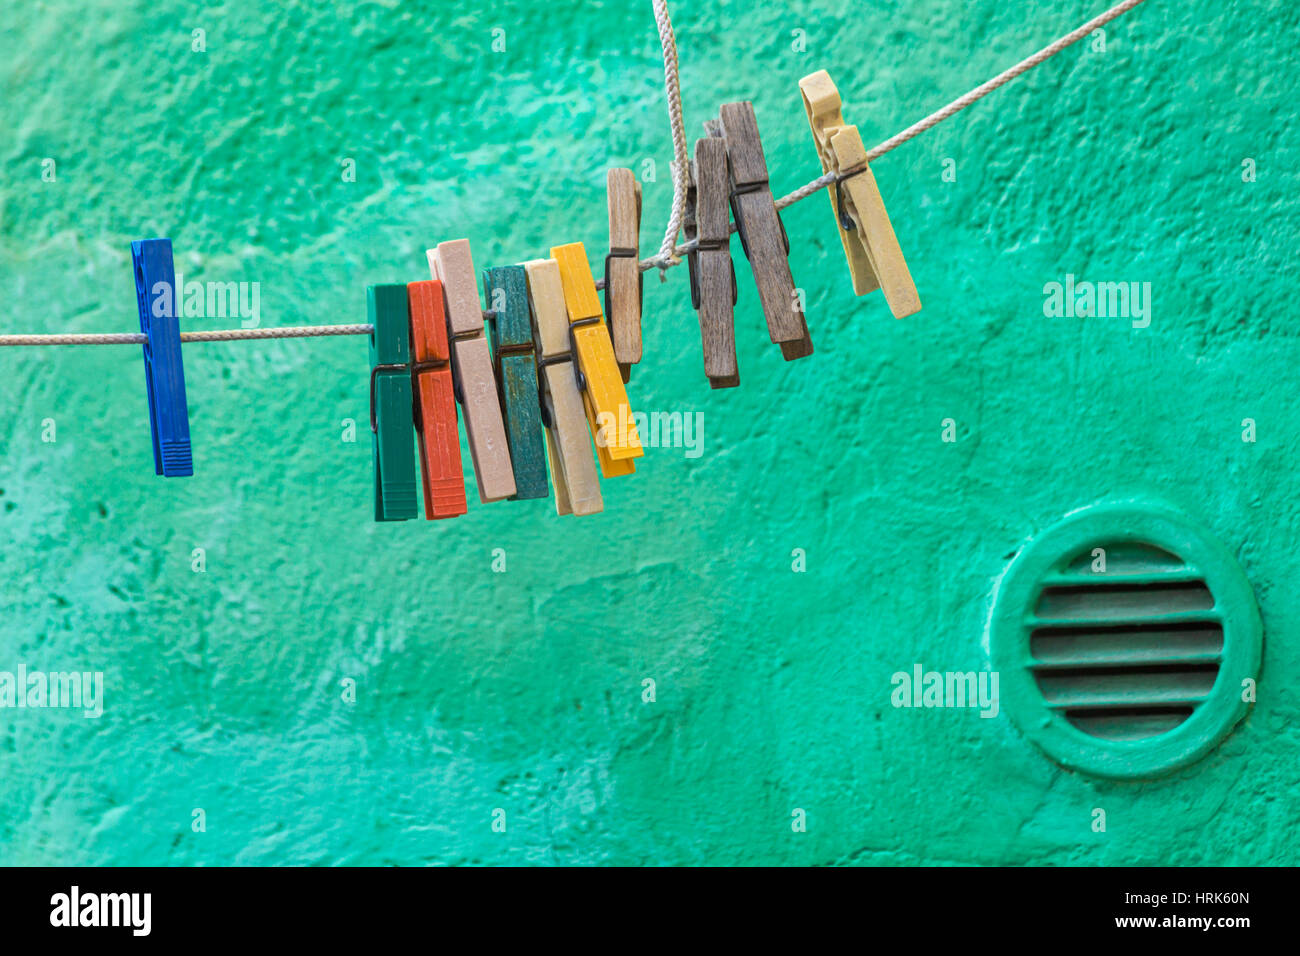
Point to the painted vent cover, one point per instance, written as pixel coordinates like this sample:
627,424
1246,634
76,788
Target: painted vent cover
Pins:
1124,637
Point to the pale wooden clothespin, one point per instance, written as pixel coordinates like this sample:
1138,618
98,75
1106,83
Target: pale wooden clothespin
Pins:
870,246
472,369
568,444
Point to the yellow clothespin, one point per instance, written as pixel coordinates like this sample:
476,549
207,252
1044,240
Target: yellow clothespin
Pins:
609,414
870,246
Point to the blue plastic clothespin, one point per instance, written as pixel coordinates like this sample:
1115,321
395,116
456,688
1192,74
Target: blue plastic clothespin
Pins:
155,290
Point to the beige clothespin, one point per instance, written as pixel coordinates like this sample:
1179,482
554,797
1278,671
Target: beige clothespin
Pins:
472,369
568,444
870,246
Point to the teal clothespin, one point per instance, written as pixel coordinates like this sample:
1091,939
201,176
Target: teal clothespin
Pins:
515,360
391,415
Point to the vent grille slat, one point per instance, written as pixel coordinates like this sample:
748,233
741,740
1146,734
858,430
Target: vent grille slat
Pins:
1134,724
1132,687
1072,647
1100,602
1084,579
1175,619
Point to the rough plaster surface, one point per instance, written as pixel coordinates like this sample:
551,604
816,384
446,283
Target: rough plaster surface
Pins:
523,690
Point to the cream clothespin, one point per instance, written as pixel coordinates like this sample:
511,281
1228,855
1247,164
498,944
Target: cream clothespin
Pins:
568,445
870,246
472,370
623,298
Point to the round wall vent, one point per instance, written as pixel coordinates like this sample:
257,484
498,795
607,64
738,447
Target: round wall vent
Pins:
1123,637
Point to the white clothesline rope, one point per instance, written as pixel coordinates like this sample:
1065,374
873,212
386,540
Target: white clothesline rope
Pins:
215,335
670,253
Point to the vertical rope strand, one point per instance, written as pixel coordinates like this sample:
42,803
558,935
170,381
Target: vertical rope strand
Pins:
672,83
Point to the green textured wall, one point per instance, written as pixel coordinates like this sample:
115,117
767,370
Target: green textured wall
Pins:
523,690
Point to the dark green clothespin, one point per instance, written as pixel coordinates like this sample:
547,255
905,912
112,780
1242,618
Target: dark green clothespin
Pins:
391,421
515,359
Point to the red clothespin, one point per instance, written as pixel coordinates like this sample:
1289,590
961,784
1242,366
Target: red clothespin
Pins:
435,402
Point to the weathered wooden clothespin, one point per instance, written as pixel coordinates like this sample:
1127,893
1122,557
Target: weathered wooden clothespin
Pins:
713,274
390,403
623,286
514,361
568,443
471,368
164,373
609,413
435,402
870,246
762,233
